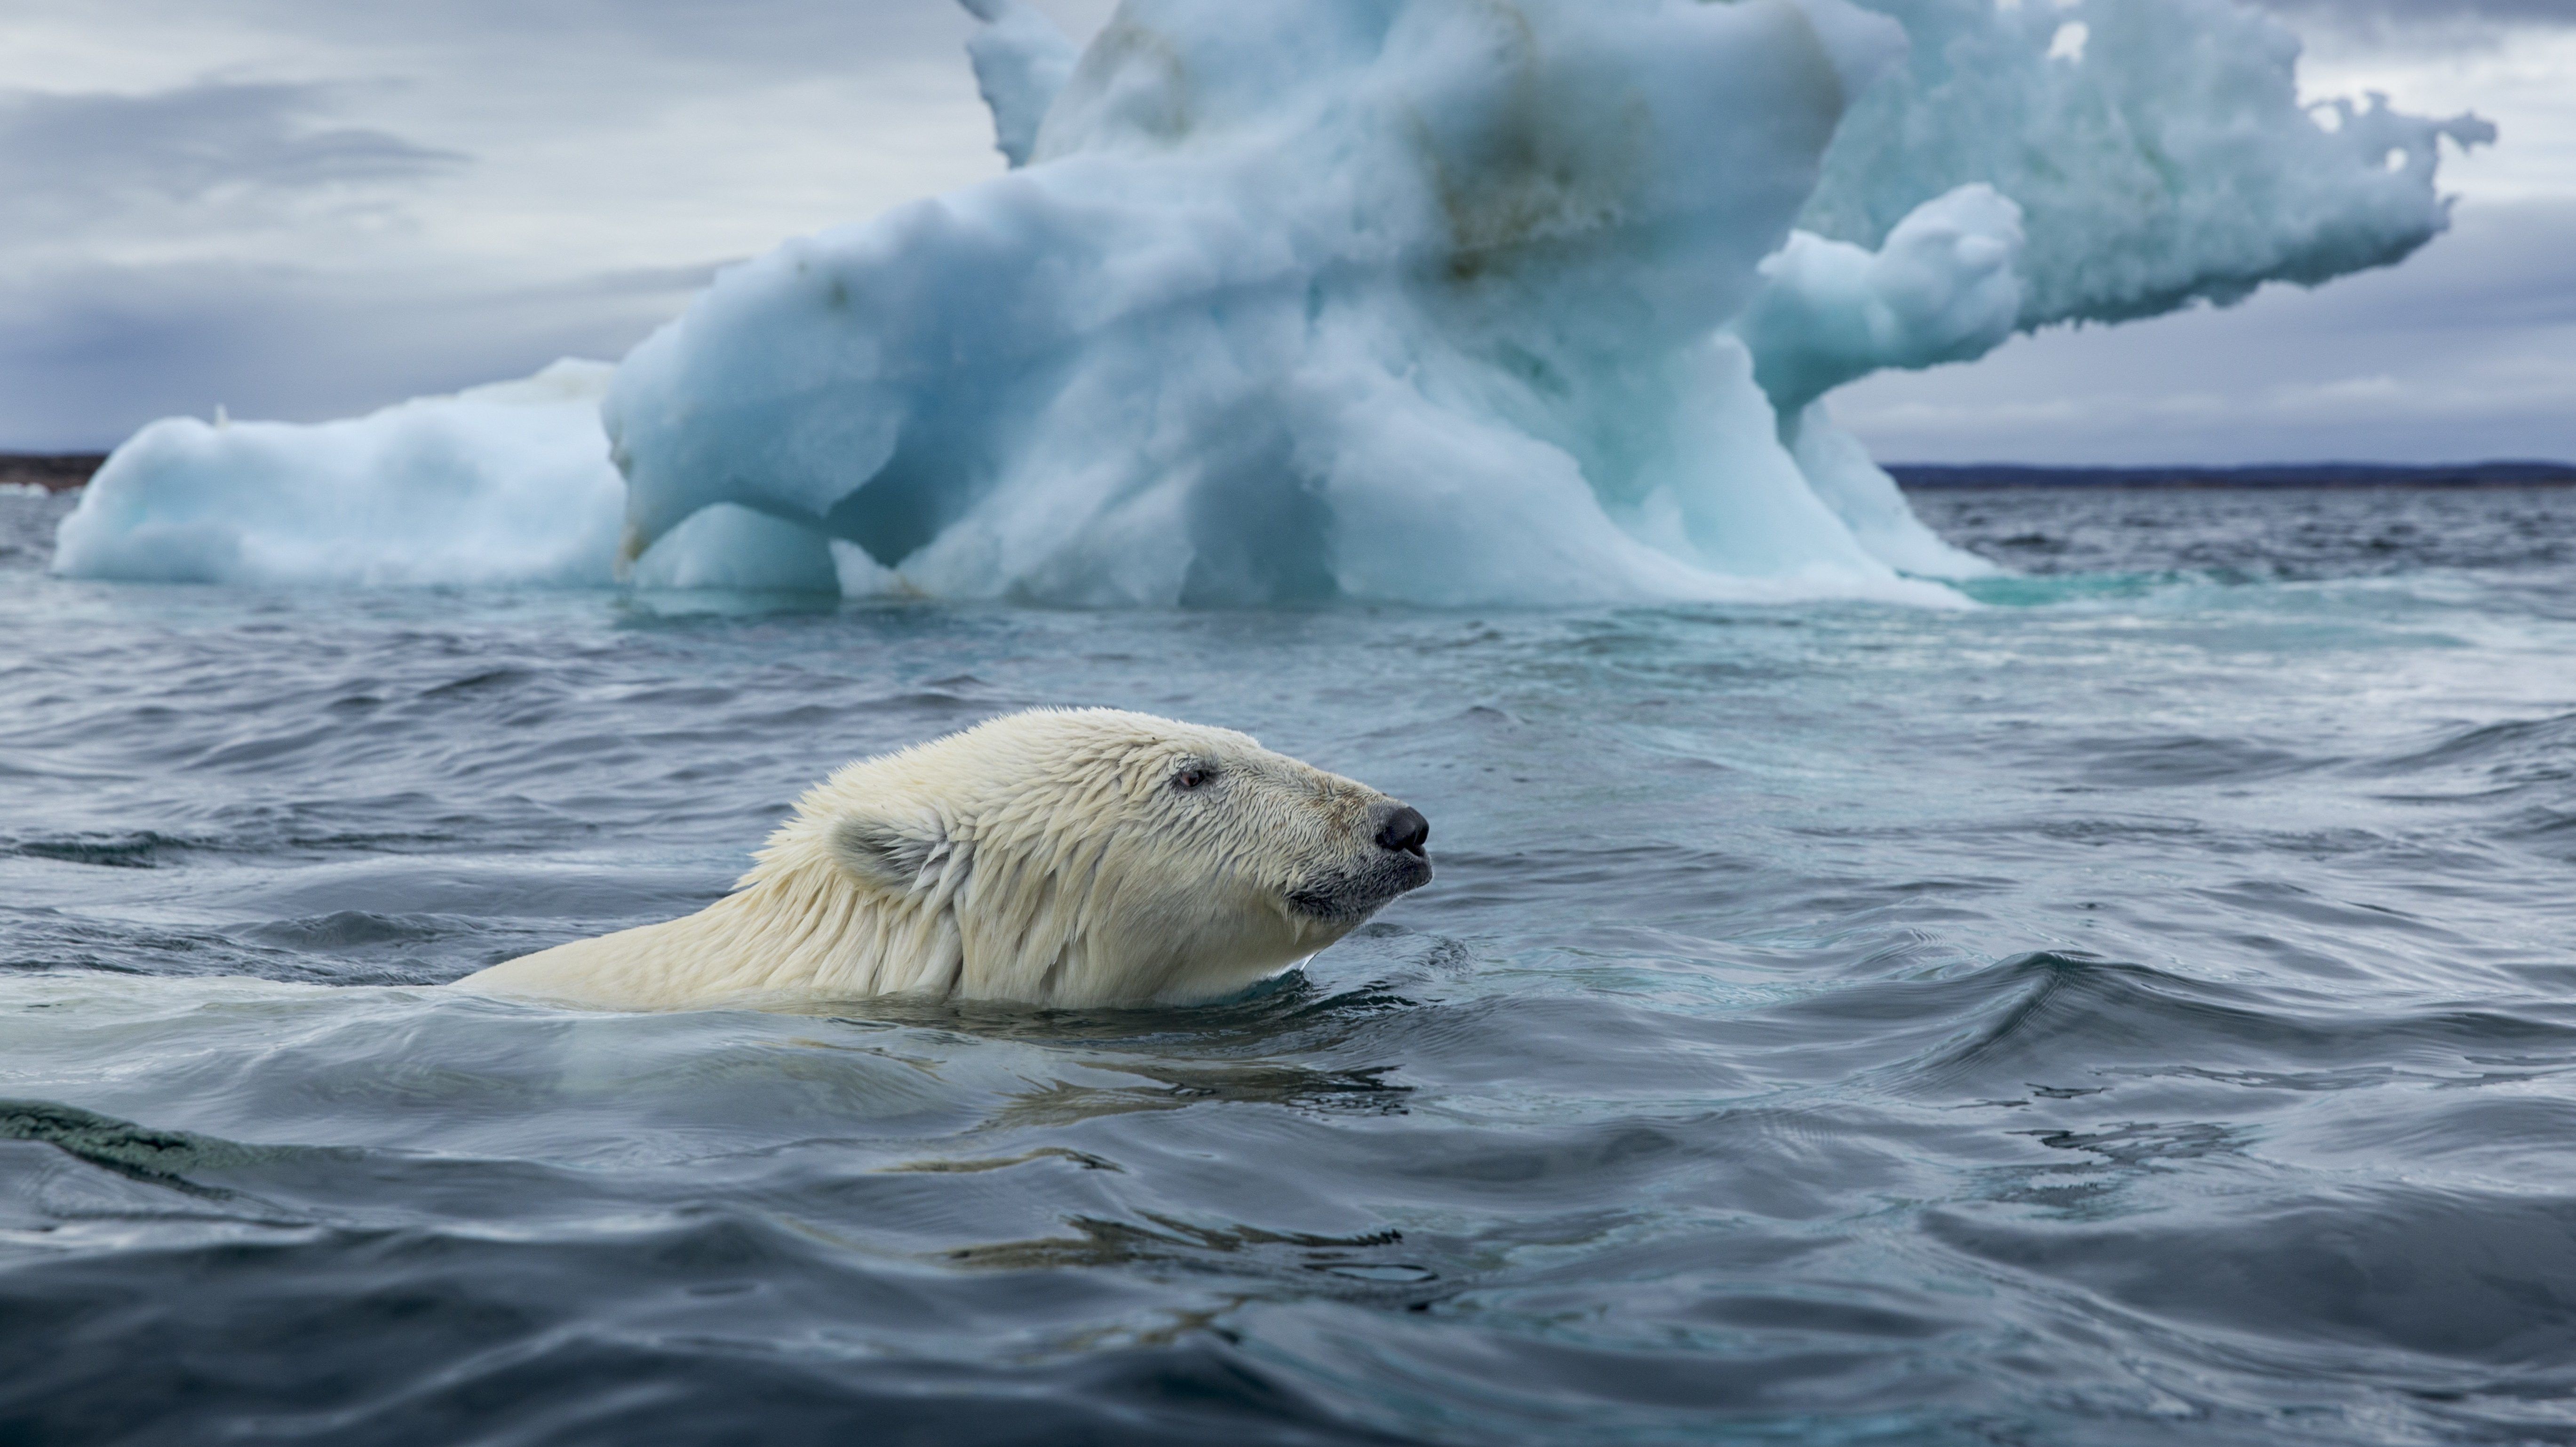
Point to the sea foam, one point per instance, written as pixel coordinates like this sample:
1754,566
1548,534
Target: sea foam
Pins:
1439,301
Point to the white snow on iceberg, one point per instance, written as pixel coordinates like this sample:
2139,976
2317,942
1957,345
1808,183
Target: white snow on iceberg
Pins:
507,483
502,483
2167,159
1444,301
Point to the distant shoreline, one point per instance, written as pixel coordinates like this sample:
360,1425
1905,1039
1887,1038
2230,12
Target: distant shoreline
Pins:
2306,474
64,471
52,471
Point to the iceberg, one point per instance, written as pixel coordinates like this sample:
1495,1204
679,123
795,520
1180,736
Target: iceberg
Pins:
1433,301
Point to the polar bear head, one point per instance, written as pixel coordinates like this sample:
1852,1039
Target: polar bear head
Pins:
1092,857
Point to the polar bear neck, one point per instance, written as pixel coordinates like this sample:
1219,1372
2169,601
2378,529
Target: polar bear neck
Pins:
805,927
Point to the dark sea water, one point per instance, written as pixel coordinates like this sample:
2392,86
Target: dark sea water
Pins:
2138,1010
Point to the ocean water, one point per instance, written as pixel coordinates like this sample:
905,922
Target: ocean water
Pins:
2141,1009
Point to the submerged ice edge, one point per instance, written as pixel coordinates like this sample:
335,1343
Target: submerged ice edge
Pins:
1404,300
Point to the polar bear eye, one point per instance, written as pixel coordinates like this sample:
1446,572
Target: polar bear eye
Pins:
1192,777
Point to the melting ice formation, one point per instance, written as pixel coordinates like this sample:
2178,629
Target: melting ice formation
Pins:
1446,301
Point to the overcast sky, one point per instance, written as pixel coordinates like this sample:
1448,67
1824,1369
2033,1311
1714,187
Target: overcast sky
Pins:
308,208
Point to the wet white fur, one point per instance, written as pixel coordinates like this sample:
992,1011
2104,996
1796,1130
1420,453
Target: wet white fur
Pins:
1044,857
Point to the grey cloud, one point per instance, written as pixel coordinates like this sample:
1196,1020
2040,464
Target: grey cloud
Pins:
2380,14
2466,351
655,280
90,352
70,158
586,44
630,53
312,288
800,32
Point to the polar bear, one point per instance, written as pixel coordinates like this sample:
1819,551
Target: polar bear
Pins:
1069,857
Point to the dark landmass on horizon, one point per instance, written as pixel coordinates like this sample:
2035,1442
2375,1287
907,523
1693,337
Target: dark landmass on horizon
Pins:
63,471
2303,474
52,471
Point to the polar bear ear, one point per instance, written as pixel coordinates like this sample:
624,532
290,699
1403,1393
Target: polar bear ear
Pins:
897,854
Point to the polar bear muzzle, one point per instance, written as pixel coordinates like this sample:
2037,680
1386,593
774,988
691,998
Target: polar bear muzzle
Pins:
1351,894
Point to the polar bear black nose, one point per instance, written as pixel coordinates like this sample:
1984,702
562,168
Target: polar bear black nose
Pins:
1404,830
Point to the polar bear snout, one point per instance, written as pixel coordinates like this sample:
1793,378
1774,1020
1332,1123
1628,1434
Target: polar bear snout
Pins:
1402,828
1344,896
